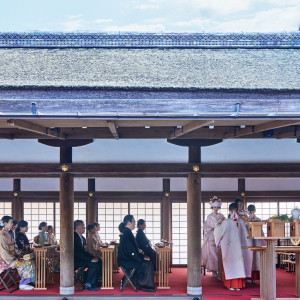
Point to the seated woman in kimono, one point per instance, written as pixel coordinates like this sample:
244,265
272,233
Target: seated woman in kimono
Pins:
50,234
143,242
10,259
227,235
52,240
42,237
209,249
93,242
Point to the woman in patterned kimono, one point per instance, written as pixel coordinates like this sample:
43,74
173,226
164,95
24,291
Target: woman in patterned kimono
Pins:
52,240
50,234
10,259
93,242
209,249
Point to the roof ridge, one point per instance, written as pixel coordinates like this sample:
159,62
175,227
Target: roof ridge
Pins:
149,40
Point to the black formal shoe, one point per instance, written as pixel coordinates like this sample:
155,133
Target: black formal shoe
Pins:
97,284
90,288
148,290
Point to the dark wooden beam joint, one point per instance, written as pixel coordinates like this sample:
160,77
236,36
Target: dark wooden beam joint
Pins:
32,127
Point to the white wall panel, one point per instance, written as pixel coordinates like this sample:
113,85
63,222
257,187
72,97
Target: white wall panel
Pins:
272,184
129,184
6,184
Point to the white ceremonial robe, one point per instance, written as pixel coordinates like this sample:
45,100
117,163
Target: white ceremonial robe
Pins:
256,243
245,242
227,235
209,249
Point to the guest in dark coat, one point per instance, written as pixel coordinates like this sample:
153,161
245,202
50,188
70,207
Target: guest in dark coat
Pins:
22,245
84,259
143,242
129,256
12,231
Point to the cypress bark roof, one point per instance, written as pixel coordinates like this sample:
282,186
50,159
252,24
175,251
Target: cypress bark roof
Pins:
251,69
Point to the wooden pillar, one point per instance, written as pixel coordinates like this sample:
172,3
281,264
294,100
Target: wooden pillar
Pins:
92,209
17,203
242,189
66,225
166,211
194,285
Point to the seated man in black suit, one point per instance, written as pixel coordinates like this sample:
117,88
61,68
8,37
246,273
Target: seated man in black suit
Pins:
84,259
143,242
129,256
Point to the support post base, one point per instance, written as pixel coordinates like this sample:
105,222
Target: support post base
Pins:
195,291
66,290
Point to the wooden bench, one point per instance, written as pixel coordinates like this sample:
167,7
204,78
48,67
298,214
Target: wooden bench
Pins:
290,265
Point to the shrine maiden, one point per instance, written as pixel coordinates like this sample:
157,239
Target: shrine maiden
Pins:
209,249
228,237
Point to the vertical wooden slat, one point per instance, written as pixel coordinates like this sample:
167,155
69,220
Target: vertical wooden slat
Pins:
297,274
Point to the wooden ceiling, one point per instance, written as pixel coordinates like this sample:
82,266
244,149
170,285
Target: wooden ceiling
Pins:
64,129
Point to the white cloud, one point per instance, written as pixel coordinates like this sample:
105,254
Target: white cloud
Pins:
137,28
101,21
147,6
75,17
274,20
72,25
216,6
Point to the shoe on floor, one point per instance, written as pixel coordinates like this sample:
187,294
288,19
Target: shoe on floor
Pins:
148,290
26,287
231,289
237,289
89,287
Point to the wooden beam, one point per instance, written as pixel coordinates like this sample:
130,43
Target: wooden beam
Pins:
113,129
144,197
166,211
31,127
262,127
291,132
218,170
189,127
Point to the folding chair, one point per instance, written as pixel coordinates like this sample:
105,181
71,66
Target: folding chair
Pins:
9,278
128,273
79,278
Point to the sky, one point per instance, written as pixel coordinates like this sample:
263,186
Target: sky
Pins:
150,15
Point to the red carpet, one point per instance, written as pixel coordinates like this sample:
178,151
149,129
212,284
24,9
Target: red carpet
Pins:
212,288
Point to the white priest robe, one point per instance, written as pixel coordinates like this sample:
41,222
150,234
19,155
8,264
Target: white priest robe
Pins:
256,243
209,249
227,235
245,242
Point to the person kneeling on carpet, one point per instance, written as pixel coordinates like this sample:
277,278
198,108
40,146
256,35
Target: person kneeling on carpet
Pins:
129,257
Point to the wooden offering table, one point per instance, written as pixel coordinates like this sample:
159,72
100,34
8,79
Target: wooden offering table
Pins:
44,266
267,266
115,257
162,266
107,267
